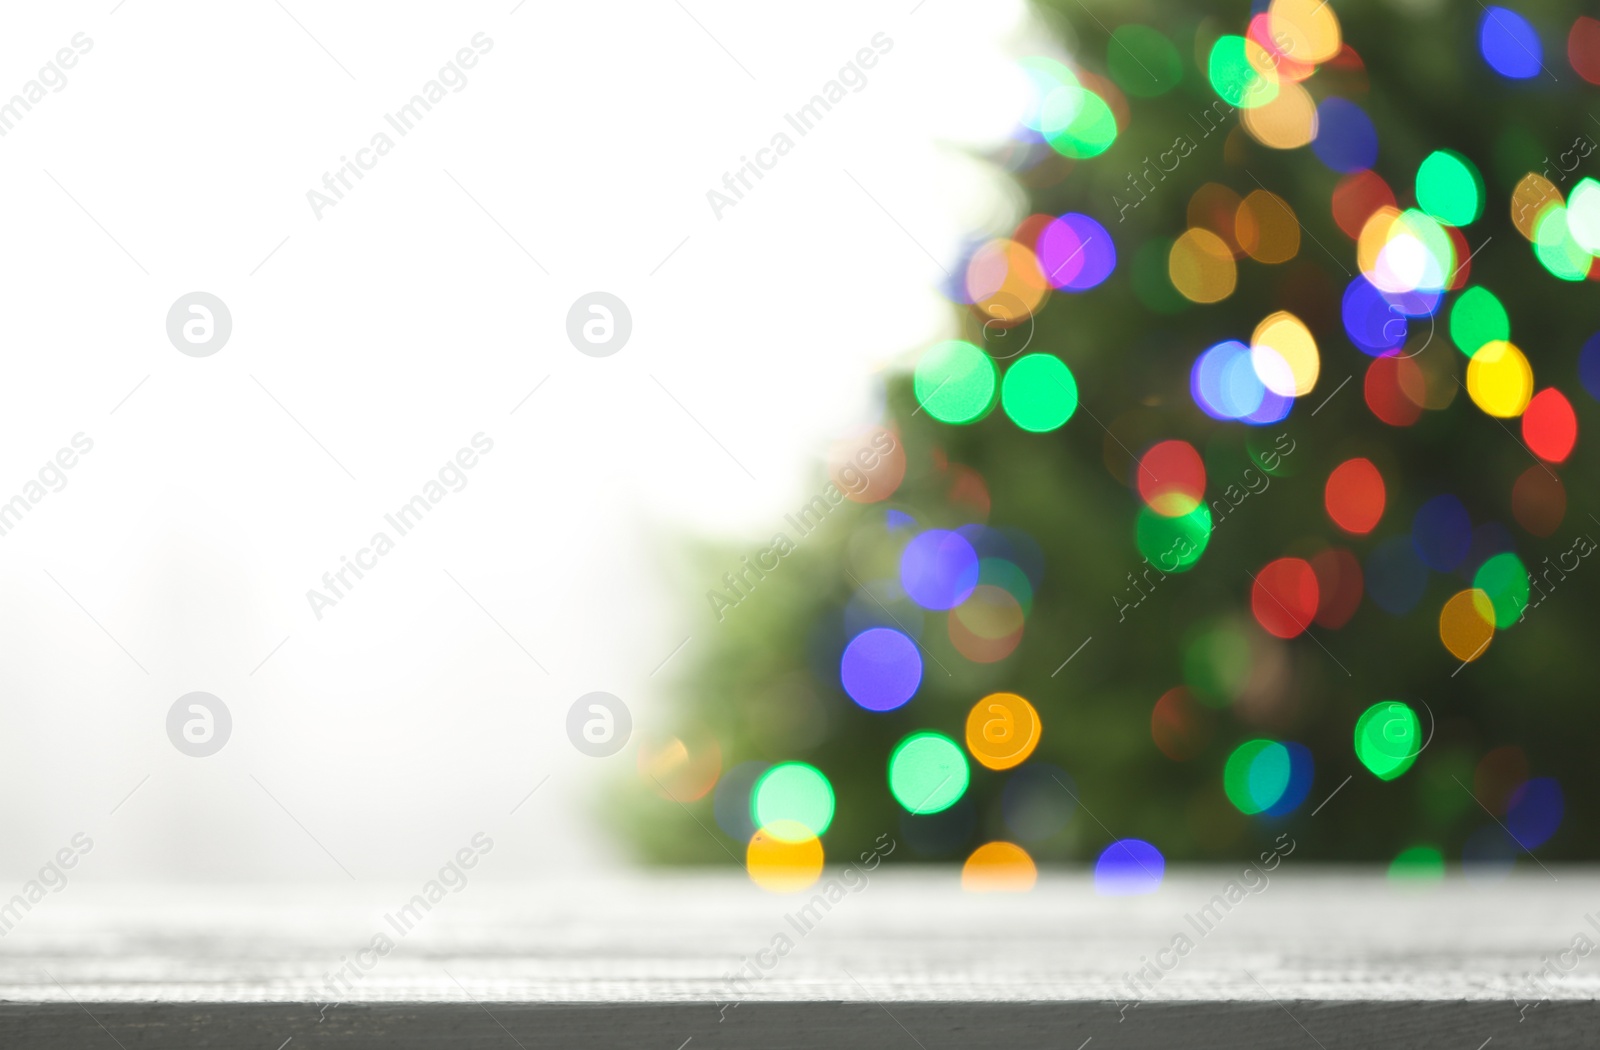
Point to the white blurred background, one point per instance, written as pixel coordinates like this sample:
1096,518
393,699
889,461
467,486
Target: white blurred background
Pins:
371,344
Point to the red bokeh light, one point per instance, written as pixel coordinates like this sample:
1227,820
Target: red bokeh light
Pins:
1172,478
1549,426
1285,596
1355,496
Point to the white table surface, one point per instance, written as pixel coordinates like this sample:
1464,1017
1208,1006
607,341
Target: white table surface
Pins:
1311,934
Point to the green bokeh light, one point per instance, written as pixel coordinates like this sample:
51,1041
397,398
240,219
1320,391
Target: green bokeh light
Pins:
928,773
1477,318
1583,215
1142,61
954,382
1555,247
1078,123
1435,240
1449,188
1234,78
1388,738
1417,864
1505,580
1256,775
1217,663
1173,544
793,792
1039,393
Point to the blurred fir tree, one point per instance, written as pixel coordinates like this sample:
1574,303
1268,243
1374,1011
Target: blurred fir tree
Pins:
765,682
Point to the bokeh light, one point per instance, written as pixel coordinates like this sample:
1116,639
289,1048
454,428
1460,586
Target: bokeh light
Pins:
1076,253
1308,30
939,569
1539,500
1224,383
955,382
1583,215
1355,199
987,627
1284,355
1466,624
1339,585
1284,597
1476,319
1557,248
1388,738
792,795
1039,393
1142,61
1509,44
1504,580
999,867
881,669
1355,496
1201,267
1442,532
1266,227
1180,727
1589,366
1417,864
1173,544
1256,775
1499,379
1395,389
784,859
1171,478
1549,426
1583,49
1128,868
681,768
1002,730
1301,773
1240,72
1346,140
928,772
1449,188
1534,812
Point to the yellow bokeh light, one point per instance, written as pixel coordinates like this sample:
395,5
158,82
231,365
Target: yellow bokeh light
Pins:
1466,624
999,867
1267,228
1499,379
784,858
1291,341
1287,122
1201,267
1005,281
1002,730
1533,194
1306,30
